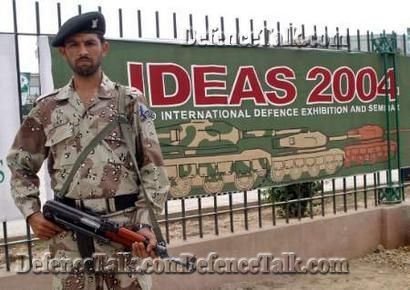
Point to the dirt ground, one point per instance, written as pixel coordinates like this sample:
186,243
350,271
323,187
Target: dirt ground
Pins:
384,269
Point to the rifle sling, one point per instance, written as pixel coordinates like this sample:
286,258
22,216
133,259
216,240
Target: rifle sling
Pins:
125,129
83,155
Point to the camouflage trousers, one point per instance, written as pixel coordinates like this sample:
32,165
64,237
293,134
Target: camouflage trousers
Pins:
64,246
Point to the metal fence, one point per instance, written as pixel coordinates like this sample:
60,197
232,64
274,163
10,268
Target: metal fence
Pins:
238,211
200,216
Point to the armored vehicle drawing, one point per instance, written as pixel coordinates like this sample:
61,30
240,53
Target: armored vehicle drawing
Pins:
371,147
211,154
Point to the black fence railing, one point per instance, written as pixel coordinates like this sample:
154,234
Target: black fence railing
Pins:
231,212
200,216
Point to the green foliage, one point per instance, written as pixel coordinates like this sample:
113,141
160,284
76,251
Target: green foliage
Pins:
293,192
2,174
25,109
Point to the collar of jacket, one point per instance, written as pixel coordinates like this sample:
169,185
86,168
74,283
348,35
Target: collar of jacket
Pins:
105,92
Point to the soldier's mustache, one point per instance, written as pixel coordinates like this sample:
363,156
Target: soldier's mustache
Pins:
83,58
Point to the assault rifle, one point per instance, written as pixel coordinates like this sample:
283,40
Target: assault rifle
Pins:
104,230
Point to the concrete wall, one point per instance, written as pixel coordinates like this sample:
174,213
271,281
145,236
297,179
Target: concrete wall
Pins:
343,235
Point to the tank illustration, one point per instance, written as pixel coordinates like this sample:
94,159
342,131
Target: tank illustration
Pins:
211,154
310,155
371,147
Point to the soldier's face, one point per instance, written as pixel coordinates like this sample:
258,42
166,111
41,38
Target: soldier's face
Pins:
84,53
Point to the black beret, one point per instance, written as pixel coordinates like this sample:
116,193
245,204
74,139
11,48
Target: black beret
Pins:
91,22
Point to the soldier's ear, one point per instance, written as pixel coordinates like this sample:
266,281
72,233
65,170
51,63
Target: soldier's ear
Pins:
105,48
61,50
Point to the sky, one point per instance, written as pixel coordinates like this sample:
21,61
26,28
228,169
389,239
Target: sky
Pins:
372,15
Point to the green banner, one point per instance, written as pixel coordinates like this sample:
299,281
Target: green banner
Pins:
231,118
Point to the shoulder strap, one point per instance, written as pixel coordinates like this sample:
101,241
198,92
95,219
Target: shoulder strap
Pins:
55,92
125,129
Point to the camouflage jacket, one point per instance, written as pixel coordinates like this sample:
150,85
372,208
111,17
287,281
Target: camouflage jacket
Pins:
61,125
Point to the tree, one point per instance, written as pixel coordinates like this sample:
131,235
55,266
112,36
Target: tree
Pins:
290,194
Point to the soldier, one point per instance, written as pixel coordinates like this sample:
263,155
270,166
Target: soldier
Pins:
59,127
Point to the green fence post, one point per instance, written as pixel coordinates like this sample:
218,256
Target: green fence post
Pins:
386,47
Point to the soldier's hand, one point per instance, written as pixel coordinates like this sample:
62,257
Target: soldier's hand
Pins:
43,228
140,250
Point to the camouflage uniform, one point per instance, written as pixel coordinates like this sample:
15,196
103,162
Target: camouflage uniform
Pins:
58,128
